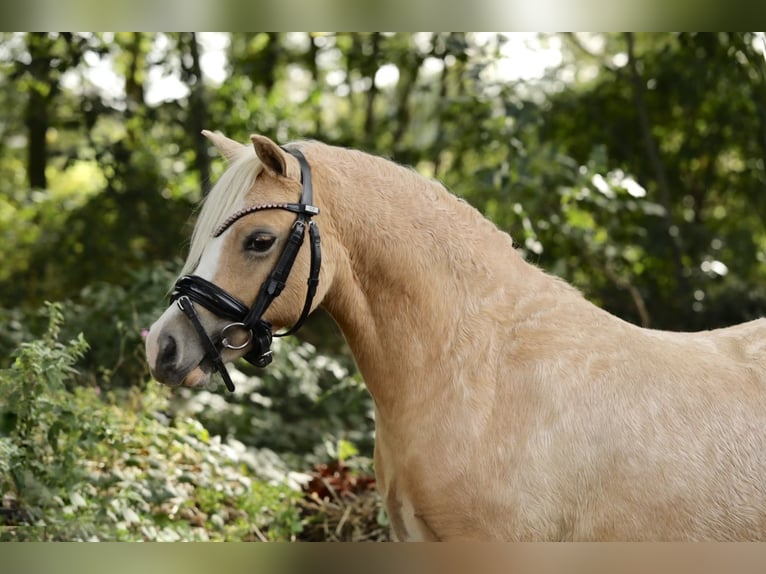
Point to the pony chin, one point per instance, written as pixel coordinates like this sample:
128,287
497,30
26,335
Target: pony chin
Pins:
196,379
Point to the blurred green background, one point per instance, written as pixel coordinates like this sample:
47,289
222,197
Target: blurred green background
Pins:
632,165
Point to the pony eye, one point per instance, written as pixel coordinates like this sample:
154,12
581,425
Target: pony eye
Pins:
259,242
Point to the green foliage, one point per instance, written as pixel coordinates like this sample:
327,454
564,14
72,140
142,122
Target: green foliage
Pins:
681,114
302,406
111,316
305,400
74,466
43,428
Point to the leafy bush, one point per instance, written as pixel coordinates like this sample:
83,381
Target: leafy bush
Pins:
90,450
77,466
301,406
111,316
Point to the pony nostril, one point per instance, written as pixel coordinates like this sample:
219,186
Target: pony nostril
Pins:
168,351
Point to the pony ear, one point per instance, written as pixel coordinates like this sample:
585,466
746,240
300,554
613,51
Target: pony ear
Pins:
272,156
228,147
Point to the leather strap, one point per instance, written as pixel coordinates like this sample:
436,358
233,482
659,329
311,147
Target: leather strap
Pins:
210,349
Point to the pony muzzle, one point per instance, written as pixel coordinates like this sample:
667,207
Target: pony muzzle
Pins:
235,336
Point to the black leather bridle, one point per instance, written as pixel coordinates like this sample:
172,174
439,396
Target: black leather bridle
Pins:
191,289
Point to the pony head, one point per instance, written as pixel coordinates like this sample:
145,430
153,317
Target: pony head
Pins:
248,267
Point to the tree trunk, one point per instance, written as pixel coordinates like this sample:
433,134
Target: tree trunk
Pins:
270,59
37,129
409,69
36,116
134,87
198,115
371,69
316,93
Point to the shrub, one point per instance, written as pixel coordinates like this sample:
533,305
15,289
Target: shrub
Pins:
75,465
90,448
111,316
301,406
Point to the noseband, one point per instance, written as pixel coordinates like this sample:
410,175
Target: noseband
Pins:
191,289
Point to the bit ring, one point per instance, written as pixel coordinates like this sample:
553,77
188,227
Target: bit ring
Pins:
225,340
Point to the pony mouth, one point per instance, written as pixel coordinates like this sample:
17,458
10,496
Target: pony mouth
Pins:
199,377
196,377
205,375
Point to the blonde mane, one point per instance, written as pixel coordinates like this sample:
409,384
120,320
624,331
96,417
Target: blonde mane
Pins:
225,197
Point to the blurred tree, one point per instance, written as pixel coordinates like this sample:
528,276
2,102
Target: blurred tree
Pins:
634,168
49,56
191,75
683,114
107,145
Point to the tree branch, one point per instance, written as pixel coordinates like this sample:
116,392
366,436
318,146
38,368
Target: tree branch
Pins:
635,294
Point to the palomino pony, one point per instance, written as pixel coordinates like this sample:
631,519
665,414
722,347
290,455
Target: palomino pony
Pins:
507,406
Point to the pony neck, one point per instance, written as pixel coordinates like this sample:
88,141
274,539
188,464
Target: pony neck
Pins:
417,273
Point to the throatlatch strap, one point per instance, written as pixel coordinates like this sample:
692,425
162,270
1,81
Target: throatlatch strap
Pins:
313,280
